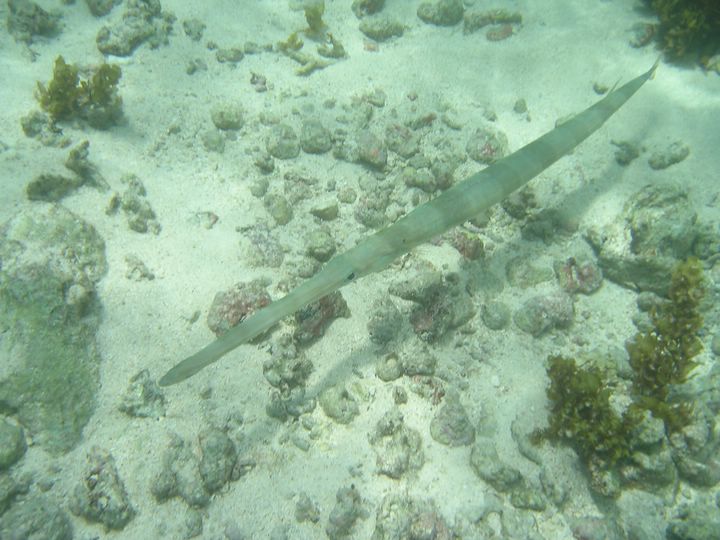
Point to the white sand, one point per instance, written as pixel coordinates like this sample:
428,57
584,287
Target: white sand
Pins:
552,62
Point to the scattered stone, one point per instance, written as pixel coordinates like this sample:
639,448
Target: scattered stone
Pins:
51,187
675,153
140,215
450,425
100,8
35,518
143,21
229,308
101,497
51,263
227,117
194,29
578,275
384,322
495,315
626,152
361,8
381,27
137,270
306,509
320,245
314,319
315,137
487,145
213,141
371,150
401,517
398,448
348,508
143,398
27,20
282,142
12,444
338,404
542,313
441,12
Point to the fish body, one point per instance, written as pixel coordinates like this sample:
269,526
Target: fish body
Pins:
454,206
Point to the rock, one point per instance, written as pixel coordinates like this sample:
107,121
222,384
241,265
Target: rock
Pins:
51,263
348,508
315,137
227,117
36,518
143,398
398,448
381,27
338,404
450,425
101,497
27,20
441,12
542,313
12,444
282,142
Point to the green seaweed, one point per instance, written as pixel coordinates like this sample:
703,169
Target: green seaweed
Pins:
663,356
95,99
582,415
688,27
581,411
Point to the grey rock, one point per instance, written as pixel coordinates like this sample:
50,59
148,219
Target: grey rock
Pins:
451,425
100,8
278,207
657,227
338,404
398,448
194,29
320,245
542,313
487,144
495,315
227,117
282,142
348,508
143,398
52,260
385,322
213,141
143,21
51,187
218,459
489,467
441,12
12,444
401,517
100,496
27,19
381,27
675,153
315,137
36,518
699,520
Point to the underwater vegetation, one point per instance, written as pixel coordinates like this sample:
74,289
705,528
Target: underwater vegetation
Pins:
688,27
663,356
582,409
96,99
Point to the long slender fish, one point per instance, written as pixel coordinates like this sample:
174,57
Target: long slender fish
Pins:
460,203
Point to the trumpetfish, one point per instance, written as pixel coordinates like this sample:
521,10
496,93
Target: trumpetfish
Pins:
454,206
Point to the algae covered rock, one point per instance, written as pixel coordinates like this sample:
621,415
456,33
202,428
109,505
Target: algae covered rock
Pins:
49,313
100,497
